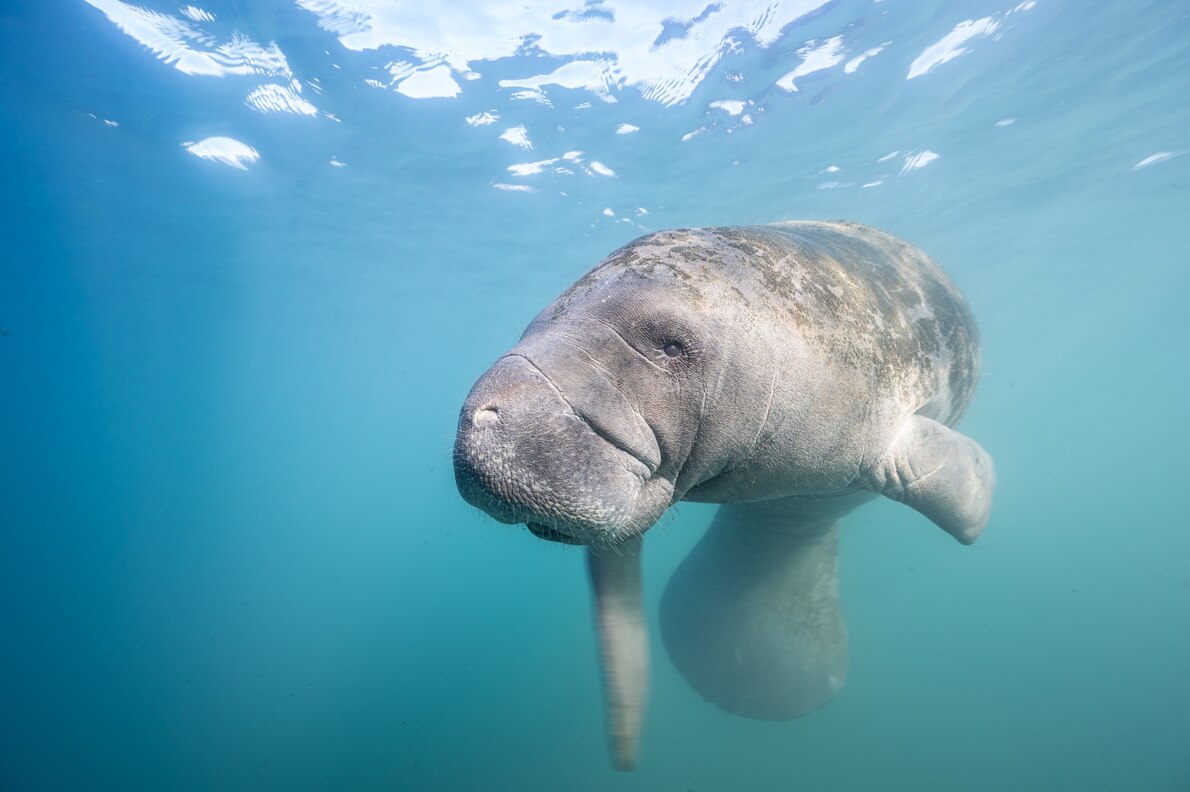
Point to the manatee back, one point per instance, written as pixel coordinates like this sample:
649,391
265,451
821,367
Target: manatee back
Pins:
870,301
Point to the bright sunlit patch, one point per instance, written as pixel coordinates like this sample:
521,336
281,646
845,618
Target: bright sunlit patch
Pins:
533,95
517,136
951,45
227,150
729,106
530,168
646,45
918,160
190,49
430,84
593,75
853,64
594,168
816,56
1153,159
242,53
198,14
483,119
273,98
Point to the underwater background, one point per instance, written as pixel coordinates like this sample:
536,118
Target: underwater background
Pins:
254,254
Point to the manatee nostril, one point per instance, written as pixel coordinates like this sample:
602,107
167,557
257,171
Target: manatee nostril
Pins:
485,416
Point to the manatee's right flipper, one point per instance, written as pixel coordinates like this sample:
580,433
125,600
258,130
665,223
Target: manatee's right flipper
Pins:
942,474
752,616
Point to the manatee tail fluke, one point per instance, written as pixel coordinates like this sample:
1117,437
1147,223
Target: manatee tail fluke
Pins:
623,645
752,618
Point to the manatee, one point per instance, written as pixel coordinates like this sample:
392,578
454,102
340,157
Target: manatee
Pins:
790,372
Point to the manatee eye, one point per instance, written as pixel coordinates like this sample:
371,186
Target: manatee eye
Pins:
672,349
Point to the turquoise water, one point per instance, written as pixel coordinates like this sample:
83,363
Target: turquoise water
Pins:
233,552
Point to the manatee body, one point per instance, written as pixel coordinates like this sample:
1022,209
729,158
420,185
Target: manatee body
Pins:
790,372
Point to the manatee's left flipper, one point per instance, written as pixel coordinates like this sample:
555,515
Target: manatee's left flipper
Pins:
623,644
939,472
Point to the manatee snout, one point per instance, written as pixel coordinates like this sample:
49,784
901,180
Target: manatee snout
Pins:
525,455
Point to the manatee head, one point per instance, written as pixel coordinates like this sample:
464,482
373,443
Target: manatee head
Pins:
587,430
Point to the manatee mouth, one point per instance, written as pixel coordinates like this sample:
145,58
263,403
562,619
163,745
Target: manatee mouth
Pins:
638,440
545,532
632,458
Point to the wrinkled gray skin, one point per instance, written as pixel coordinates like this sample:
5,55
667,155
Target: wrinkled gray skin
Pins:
790,372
